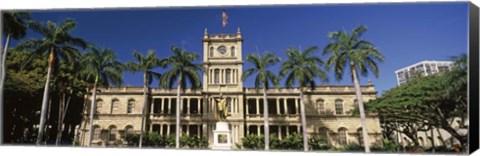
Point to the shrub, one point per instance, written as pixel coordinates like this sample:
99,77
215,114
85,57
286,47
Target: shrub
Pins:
319,143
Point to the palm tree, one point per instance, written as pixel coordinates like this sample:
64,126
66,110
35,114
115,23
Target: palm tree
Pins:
303,68
14,26
103,66
348,50
145,64
263,77
182,69
60,44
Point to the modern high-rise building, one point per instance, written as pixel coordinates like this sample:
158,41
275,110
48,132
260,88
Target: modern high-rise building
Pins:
422,68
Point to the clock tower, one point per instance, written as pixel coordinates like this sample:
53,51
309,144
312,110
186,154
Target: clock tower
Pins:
222,72
222,62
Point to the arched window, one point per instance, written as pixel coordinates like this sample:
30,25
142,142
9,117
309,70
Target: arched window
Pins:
99,105
323,133
342,136
421,141
115,105
128,130
96,132
130,106
211,51
339,107
360,136
112,133
217,76
321,106
233,51
439,141
228,76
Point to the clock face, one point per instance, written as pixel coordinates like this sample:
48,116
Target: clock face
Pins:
222,50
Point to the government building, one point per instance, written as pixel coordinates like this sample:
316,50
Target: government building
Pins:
119,109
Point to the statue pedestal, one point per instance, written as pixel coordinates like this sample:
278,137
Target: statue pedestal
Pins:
222,137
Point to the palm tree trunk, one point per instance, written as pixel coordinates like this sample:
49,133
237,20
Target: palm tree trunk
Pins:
63,113
177,119
265,120
304,120
45,99
145,85
358,93
2,79
60,122
92,111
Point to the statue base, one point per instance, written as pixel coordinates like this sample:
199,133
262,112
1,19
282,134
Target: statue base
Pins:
222,137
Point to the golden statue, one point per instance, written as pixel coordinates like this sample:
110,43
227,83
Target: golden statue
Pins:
221,112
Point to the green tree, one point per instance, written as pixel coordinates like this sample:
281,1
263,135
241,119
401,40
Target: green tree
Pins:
145,64
103,66
419,105
60,44
264,76
14,26
303,68
182,70
348,50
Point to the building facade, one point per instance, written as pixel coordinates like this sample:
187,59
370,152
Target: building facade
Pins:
327,106
423,68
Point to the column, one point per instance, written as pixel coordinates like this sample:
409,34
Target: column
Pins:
246,107
161,129
298,129
162,105
278,106
280,132
168,129
210,75
285,106
188,130
296,106
198,106
221,76
152,107
288,131
199,127
188,105
258,107
258,130
169,105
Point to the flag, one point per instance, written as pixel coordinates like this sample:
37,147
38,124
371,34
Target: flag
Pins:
224,18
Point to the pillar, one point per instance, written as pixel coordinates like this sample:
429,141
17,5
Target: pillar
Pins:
296,106
198,106
246,107
258,107
278,106
169,105
285,106
188,105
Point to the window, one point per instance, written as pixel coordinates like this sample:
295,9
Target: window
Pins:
360,136
128,130
113,133
342,136
229,104
321,107
339,107
233,51
115,104
217,76
211,51
131,105
96,132
420,141
323,133
228,76
99,105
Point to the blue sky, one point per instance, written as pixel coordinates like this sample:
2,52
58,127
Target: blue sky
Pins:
405,33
